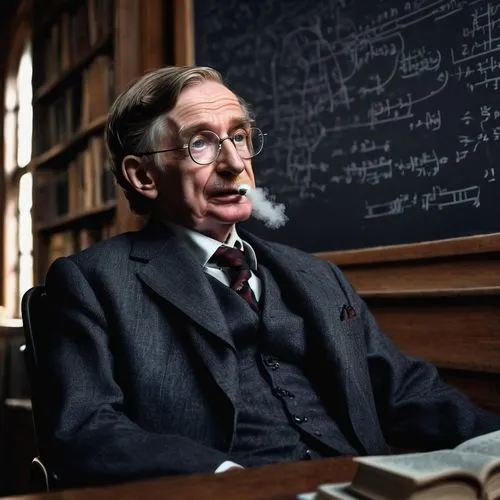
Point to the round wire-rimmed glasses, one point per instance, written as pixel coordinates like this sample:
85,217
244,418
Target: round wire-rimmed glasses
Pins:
204,146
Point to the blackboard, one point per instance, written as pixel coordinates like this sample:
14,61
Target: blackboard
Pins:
383,117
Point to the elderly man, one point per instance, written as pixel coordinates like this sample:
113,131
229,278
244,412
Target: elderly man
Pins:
191,346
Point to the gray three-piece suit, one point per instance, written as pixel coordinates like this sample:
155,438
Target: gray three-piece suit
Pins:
159,369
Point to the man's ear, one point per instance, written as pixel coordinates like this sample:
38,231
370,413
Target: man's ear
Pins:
138,175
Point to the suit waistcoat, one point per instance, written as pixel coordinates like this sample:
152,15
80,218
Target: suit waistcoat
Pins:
279,414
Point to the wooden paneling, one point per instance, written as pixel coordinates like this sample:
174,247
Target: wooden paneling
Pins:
152,35
467,245
139,47
183,32
127,42
462,333
139,39
446,275
439,301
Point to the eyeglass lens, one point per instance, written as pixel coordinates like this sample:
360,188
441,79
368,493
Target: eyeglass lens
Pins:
204,146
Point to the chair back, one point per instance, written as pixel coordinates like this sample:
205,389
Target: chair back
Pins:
36,314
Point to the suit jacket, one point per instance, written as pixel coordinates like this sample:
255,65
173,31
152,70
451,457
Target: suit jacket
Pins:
145,373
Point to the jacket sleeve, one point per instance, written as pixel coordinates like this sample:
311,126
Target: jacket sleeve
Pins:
93,439
415,407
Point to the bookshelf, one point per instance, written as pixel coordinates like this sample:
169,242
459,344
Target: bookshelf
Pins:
135,40
74,193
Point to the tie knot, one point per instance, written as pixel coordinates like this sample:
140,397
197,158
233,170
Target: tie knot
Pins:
238,270
229,257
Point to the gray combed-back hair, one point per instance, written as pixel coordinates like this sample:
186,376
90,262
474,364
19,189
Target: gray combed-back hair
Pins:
136,120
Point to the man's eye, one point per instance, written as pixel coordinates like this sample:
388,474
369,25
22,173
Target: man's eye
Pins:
239,138
199,143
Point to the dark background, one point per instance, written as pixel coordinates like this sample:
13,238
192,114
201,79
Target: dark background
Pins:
383,117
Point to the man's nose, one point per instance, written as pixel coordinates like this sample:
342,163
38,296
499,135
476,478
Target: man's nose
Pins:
229,159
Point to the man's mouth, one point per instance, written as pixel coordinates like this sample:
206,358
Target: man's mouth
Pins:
227,195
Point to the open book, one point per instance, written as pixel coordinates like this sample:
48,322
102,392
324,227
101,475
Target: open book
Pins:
470,471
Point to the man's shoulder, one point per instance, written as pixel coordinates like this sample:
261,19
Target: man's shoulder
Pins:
106,262
293,252
286,251
108,256
274,246
107,249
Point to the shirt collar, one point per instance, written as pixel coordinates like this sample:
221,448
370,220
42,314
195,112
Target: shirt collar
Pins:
204,247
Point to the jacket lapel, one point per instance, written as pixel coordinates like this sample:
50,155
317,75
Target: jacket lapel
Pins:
171,271
313,295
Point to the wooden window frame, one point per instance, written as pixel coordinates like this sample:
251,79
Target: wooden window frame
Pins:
10,172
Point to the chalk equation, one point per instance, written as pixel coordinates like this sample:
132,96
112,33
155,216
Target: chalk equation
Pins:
438,198
374,171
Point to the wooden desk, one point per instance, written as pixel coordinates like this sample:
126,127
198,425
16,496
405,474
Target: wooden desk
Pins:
273,482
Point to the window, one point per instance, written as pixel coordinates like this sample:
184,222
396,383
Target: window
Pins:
18,236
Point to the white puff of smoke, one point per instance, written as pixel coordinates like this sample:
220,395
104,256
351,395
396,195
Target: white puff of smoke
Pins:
264,209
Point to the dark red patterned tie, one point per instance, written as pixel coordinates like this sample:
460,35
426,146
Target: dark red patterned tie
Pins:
234,262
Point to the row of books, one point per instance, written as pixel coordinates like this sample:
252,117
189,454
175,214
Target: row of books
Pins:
64,243
70,38
84,184
87,99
